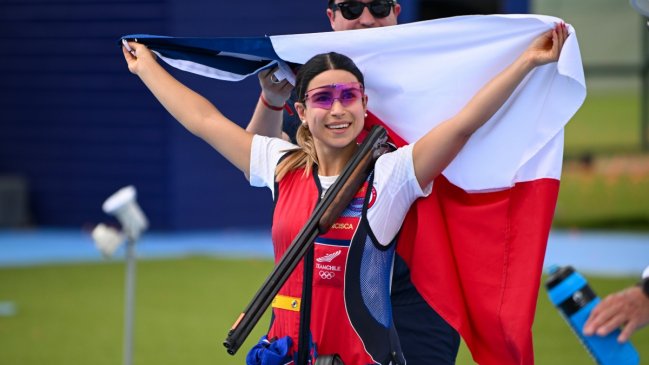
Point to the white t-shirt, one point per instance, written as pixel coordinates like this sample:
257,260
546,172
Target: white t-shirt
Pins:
394,181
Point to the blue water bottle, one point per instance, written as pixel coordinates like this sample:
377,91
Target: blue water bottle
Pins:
570,293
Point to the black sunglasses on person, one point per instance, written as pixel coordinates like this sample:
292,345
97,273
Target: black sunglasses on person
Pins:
353,9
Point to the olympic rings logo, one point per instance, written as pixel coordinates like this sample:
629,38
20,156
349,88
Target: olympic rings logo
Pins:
327,275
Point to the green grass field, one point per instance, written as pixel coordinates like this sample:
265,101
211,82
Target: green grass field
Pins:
612,191
607,123
73,314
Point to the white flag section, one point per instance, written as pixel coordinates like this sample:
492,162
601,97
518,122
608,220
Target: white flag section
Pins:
420,74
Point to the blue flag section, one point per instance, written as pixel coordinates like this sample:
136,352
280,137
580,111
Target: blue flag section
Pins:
230,59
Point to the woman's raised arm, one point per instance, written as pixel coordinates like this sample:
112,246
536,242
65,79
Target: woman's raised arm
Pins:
192,110
436,149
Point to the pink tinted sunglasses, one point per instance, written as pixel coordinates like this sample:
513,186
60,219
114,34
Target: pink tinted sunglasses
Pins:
323,97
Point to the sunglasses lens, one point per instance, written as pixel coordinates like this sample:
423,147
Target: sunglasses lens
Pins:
351,9
349,96
322,100
380,9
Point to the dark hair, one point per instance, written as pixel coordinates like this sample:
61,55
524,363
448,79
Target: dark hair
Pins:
321,63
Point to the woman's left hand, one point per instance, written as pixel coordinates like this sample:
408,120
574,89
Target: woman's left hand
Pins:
276,92
547,47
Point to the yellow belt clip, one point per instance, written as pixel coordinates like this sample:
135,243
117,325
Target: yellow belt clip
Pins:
286,303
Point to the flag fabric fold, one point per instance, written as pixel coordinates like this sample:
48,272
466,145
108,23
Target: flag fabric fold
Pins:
475,247
230,59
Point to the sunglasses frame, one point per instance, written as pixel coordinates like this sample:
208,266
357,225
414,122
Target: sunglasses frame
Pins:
347,86
343,7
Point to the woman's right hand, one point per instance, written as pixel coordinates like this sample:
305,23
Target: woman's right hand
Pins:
138,58
275,92
547,47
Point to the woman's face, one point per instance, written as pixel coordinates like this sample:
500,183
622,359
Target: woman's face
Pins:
338,126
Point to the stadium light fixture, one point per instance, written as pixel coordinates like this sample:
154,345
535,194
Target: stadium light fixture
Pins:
123,205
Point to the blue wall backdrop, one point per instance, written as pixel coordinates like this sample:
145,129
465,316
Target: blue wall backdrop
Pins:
78,126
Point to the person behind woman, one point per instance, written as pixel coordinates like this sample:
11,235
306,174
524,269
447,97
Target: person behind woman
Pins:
627,309
350,311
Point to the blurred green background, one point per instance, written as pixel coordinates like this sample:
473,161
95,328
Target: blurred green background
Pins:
605,180
72,314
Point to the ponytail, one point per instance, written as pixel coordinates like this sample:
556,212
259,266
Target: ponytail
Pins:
303,157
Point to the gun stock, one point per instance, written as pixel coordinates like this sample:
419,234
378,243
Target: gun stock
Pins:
350,188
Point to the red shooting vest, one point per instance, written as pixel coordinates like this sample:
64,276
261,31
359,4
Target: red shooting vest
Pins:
345,283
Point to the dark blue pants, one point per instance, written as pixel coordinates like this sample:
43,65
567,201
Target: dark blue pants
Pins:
426,339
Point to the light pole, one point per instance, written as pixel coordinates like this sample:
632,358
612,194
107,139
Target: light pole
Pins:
124,207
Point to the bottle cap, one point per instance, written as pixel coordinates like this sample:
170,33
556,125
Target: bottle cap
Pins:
557,275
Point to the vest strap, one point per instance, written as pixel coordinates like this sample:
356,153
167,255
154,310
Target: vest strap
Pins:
287,303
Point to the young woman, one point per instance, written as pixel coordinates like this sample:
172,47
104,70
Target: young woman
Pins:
350,307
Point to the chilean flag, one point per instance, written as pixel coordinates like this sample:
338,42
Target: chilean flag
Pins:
475,246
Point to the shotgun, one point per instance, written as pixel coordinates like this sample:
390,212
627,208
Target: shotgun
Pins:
323,217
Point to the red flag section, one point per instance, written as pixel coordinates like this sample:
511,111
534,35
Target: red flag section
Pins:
477,260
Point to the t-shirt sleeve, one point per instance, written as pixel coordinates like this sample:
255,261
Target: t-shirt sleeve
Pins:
265,153
396,188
